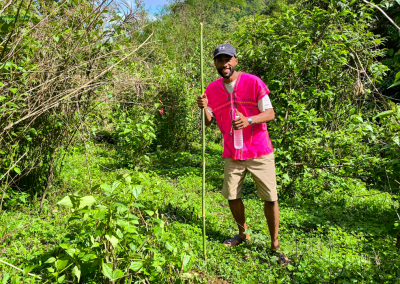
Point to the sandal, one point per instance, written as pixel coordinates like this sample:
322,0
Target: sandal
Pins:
282,258
228,242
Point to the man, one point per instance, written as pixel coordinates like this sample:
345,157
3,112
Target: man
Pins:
239,101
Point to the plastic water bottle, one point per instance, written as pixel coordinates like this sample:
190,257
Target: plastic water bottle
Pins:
238,138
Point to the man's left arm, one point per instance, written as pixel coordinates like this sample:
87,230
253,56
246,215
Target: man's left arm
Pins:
242,121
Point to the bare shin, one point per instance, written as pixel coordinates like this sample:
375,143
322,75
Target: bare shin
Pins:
237,209
271,211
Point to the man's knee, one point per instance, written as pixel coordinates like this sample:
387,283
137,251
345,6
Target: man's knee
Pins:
270,203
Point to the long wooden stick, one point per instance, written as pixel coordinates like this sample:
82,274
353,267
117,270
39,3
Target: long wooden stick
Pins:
204,146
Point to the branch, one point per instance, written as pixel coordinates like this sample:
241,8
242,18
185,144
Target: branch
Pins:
17,268
369,194
13,165
383,12
53,104
320,167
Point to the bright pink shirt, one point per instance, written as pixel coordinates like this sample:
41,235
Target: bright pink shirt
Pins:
246,93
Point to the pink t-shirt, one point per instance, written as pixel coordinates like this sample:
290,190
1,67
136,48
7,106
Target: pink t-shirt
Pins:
246,93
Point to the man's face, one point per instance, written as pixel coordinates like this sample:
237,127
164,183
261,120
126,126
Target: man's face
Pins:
225,65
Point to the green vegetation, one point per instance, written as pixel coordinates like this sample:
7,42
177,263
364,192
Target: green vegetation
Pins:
100,156
147,225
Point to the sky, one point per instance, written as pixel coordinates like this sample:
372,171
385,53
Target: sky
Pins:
152,5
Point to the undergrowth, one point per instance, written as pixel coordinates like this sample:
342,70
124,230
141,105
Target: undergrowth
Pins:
143,226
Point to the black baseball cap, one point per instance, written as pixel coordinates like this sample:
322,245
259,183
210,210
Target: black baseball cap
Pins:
224,49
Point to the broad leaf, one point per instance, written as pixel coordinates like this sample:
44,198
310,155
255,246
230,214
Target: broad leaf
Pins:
6,276
117,274
106,187
86,201
395,84
136,190
50,260
77,273
115,185
135,266
28,269
384,113
113,240
137,204
107,270
66,201
61,279
397,77
61,263
169,246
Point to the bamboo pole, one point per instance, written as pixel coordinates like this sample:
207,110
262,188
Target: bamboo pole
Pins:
204,146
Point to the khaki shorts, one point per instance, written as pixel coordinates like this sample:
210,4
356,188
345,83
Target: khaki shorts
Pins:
262,170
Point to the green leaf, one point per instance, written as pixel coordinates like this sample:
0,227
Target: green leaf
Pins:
107,270
66,201
384,114
14,90
113,240
169,247
61,279
369,128
136,190
286,177
28,269
395,84
128,179
86,201
70,252
51,260
137,205
6,276
119,234
15,280
136,266
397,77
117,274
61,263
106,187
76,272
115,185
149,212
64,246
17,170
10,104
396,140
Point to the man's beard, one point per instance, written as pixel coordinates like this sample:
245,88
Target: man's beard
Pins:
226,76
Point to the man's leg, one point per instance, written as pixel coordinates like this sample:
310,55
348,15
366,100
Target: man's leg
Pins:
235,172
271,211
237,209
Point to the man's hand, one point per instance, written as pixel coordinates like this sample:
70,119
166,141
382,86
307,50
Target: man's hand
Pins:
240,122
202,101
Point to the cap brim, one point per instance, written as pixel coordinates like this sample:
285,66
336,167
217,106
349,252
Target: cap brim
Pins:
222,53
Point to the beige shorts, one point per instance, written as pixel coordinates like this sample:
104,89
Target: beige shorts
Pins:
262,170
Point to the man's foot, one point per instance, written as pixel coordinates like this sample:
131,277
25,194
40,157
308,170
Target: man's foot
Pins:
282,258
235,241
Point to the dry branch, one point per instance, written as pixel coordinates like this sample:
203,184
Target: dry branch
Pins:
17,268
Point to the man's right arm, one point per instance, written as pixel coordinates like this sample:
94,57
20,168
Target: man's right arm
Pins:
202,102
